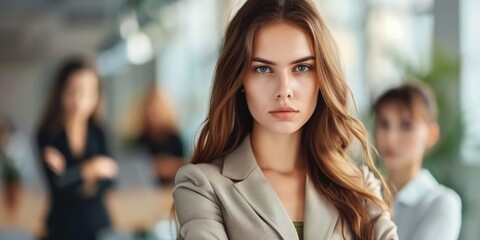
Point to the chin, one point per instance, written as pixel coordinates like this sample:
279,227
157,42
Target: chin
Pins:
394,164
278,127
283,129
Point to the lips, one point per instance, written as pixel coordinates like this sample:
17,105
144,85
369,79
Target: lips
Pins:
284,113
388,153
283,109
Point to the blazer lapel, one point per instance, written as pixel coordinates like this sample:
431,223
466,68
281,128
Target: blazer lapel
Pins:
320,216
240,165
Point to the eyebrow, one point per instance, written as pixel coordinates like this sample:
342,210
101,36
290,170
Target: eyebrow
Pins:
262,60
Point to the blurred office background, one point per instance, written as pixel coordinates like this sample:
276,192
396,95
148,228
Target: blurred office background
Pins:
174,43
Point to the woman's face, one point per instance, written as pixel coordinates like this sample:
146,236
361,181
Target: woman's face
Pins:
81,94
281,86
402,138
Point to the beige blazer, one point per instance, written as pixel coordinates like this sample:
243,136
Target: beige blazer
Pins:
230,198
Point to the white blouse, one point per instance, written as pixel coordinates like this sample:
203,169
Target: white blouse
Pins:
427,210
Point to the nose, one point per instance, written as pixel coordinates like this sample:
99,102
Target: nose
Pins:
284,87
390,137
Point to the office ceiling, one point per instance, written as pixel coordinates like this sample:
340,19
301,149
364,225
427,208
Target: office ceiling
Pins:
36,29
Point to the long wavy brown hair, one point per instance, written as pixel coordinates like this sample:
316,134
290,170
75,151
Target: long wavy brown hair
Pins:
327,135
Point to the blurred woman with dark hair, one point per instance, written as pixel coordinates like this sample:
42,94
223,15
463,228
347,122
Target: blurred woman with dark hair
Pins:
74,155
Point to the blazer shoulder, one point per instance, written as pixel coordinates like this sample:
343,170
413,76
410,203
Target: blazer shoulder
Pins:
199,174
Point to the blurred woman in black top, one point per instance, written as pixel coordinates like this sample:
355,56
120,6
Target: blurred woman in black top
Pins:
74,155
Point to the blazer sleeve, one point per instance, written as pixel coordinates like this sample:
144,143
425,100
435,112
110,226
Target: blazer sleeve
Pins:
385,228
197,206
442,219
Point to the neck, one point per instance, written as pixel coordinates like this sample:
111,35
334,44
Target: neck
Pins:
400,177
277,152
74,123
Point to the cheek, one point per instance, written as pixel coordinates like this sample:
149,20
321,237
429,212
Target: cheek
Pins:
254,100
68,102
384,144
414,143
309,93
422,140
314,98
255,92
89,102
379,137
311,105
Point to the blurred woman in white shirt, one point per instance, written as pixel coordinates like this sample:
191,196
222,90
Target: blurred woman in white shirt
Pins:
405,129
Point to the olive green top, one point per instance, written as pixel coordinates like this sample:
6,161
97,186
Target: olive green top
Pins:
299,228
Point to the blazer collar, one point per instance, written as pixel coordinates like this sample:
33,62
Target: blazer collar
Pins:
320,217
240,162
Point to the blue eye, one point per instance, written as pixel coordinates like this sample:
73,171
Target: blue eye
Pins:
302,68
262,69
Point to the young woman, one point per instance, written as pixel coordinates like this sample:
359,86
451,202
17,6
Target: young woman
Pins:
160,135
405,128
271,160
74,155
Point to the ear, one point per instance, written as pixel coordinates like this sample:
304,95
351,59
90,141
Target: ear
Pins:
433,134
